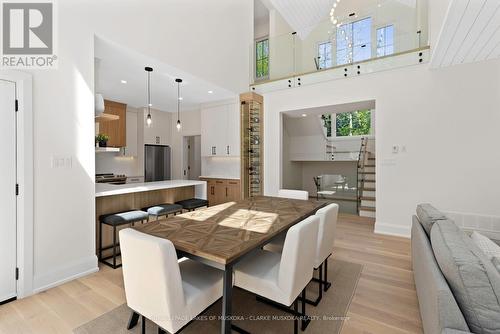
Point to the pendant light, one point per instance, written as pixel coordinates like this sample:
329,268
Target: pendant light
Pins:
149,120
178,104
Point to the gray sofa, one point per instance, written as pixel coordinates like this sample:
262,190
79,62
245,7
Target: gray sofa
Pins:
463,264
438,308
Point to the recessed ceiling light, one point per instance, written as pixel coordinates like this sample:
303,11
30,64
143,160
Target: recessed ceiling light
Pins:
304,115
124,81
210,92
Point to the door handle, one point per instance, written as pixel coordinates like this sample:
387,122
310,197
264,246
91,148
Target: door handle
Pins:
227,149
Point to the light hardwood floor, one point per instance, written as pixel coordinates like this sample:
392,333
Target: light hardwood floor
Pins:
385,299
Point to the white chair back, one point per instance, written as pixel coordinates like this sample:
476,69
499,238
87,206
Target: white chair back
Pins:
326,232
297,259
293,194
153,282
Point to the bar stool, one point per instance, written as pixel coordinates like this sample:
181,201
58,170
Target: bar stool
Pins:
193,203
114,220
163,210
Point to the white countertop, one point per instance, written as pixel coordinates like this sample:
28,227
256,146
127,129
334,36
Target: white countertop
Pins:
105,189
220,177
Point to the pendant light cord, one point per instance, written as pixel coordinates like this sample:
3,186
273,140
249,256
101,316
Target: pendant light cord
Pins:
178,101
149,93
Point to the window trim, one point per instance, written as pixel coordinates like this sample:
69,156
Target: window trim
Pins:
256,41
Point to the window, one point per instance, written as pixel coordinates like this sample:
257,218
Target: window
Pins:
324,55
355,123
354,41
385,41
262,59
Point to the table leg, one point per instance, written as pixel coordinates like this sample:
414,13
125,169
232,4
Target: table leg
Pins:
227,298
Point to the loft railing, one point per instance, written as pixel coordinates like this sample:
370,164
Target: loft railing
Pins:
360,176
391,28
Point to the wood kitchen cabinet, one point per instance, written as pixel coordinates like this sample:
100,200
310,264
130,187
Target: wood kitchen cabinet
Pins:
222,190
116,130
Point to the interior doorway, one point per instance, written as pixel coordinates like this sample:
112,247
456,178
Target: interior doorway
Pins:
192,157
8,191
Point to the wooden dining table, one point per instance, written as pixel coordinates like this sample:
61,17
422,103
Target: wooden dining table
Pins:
221,236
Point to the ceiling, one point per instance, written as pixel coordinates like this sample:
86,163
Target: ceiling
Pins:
304,16
260,11
337,108
115,63
470,33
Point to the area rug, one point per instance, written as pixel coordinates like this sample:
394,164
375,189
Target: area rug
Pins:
328,317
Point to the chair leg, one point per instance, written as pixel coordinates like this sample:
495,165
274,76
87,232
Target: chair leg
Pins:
143,325
305,319
133,320
114,247
320,289
100,241
296,320
326,284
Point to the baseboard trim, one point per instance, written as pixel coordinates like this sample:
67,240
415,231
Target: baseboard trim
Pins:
393,230
65,274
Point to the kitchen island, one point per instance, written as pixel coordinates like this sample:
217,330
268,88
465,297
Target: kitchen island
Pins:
135,196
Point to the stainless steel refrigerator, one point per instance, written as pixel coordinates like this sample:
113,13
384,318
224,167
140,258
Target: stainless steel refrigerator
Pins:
156,163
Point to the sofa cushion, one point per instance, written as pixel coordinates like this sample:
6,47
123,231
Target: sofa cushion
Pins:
496,263
428,215
472,277
489,248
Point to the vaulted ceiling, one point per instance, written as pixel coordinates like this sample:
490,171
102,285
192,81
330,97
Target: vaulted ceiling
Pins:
470,33
303,16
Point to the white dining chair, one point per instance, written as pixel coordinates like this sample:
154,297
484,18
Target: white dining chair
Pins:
293,194
325,242
162,289
277,243
281,278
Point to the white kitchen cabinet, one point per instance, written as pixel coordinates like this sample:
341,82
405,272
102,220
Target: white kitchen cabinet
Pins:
220,130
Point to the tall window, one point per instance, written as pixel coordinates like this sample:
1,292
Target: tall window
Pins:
385,41
262,59
324,55
354,41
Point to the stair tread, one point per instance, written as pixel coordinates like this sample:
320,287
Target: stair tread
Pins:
369,173
368,198
373,166
369,189
366,208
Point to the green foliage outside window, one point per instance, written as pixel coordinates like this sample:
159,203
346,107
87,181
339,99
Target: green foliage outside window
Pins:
262,59
356,123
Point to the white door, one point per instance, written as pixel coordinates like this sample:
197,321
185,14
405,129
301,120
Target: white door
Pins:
7,190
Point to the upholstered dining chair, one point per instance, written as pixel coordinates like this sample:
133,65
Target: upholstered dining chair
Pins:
293,194
281,278
162,289
325,242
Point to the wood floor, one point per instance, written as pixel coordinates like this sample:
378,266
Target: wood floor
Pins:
385,299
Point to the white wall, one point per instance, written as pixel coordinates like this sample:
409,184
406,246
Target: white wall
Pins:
448,121
191,126
173,31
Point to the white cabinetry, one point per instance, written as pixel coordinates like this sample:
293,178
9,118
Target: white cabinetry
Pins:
220,131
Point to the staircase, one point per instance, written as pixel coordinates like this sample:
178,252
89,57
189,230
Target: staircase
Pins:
366,183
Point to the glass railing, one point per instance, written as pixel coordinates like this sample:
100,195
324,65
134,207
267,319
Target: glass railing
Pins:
390,28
